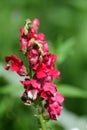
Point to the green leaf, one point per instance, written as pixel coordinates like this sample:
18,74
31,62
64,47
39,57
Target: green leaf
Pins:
11,89
65,49
72,91
5,105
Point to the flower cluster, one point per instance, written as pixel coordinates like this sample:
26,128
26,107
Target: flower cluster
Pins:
38,83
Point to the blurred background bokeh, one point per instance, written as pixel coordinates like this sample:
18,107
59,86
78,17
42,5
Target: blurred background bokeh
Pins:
64,23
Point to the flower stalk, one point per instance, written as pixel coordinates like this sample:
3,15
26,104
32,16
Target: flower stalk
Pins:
42,122
39,88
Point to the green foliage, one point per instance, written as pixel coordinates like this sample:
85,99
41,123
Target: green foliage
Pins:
63,49
72,91
65,25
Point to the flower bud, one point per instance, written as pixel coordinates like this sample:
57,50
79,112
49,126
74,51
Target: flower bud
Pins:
23,44
35,23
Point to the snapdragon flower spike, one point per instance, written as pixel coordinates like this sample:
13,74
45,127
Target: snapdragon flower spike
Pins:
38,86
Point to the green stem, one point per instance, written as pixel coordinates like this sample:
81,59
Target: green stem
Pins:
42,122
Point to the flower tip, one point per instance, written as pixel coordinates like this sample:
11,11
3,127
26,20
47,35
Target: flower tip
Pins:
35,23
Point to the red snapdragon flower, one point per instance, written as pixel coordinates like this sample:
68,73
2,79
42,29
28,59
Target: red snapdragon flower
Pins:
54,110
48,89
50,59
15,65
44,71
57,98
30,84
33,56
32,88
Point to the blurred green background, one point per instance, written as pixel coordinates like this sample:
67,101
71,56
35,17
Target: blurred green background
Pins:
64,23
